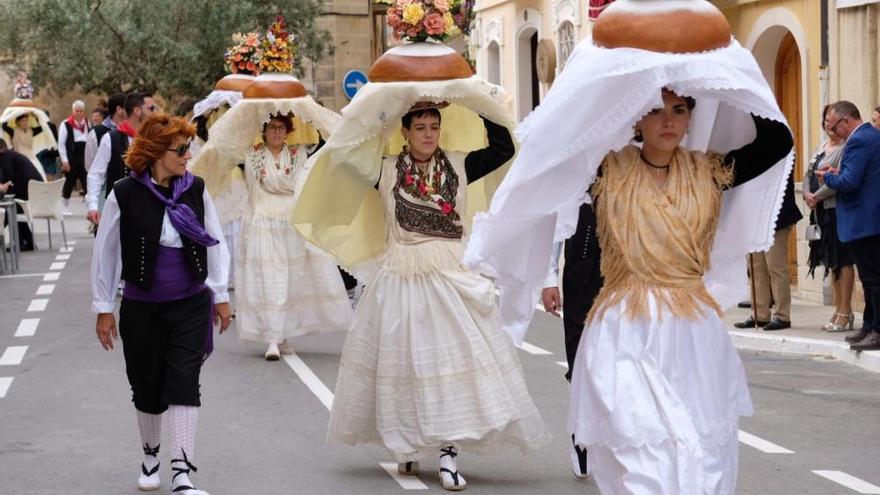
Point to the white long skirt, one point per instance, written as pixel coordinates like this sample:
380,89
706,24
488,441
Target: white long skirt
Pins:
426,363
657,403
283,288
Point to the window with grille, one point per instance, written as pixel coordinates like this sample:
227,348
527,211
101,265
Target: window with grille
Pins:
566,42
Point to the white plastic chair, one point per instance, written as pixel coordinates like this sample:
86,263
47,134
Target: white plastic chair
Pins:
44,201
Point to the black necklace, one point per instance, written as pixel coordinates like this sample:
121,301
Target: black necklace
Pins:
648,162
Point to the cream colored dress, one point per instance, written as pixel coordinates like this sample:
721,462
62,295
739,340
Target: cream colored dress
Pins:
425,362
283,287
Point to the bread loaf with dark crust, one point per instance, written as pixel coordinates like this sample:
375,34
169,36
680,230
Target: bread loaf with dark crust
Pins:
233,82
677,31
18,102
392,67
278,88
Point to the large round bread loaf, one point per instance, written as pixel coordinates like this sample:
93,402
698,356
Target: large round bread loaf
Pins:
420,62
676,26
274,85
234,82
20,102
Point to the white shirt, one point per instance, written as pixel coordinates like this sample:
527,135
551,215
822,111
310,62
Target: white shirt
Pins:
78,137
107,255
98,172
552,279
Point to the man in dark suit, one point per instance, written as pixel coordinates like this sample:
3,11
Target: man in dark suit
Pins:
16,170
581,281
857,183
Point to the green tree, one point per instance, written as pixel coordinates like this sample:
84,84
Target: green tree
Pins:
173,47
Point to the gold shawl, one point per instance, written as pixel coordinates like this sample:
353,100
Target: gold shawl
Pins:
657,240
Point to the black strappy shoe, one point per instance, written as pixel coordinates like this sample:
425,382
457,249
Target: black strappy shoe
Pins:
408,468
149,478
186,489
451,480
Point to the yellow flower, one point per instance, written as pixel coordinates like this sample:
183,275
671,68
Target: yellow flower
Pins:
413,13
449,22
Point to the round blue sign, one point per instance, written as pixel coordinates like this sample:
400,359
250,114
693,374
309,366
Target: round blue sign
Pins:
352,82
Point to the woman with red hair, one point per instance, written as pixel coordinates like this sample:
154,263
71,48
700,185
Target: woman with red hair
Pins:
160,233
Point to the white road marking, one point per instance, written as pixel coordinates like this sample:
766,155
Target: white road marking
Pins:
310,379
51,277
564,364
406,482
62,257
5,382
27,327
57,266
13,355
45,290
533,349
71,243
22,275
66,249
38,305
849,481
761,444
326,397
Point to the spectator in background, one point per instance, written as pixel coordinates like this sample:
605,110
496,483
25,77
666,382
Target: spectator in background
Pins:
97,116
875,118
857,183
827,250
113,116
769,270
16,170
72,147
108,165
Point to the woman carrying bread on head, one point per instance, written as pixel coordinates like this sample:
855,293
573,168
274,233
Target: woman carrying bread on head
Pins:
657,387
160,234
426,370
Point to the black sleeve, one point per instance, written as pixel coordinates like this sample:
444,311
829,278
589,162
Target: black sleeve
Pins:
772,144
480,163
37,130
8,129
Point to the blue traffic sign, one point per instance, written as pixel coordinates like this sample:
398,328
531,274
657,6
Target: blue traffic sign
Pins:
352,82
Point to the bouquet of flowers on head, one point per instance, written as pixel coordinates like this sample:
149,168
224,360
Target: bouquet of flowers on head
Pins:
279,48
243,57
463,14
423,20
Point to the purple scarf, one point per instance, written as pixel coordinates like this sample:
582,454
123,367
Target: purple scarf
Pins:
182,217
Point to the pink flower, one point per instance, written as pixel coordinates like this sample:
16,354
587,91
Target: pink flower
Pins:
434,24
441,5
423,188
408,179
413,32
446,208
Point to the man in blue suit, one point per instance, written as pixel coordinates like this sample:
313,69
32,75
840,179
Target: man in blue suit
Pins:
857,183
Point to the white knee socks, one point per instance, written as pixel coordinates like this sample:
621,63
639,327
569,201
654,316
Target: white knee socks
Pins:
150,428
183,421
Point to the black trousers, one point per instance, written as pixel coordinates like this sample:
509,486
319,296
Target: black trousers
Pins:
581,281
867,254
77,170
164,347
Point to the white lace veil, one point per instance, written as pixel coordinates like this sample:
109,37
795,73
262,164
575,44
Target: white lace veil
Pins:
591,110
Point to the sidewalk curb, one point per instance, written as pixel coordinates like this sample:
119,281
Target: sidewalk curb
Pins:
869,360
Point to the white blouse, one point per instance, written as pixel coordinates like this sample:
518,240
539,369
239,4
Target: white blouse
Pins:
107,255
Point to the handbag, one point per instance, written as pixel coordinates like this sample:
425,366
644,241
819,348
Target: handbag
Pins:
813,231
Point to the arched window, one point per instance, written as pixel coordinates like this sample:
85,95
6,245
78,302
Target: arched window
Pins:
566,42
494,65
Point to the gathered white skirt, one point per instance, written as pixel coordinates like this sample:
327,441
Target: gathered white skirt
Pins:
426,363
657,403
282,287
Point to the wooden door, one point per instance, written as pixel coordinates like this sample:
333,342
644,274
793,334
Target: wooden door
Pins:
788,95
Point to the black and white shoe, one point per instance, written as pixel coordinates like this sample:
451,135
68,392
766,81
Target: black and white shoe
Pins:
408,468
149,478
449,475
579,461
180,483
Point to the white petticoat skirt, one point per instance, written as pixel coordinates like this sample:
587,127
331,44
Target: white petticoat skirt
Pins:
282,287
426,362
657,403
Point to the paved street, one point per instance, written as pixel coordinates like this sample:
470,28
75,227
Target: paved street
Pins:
67,425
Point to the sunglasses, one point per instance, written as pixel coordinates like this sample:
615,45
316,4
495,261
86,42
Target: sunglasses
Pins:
181,150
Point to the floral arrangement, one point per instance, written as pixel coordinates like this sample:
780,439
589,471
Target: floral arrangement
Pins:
244,56
279,48
429,20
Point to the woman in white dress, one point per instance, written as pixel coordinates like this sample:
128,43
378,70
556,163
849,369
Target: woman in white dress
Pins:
426,368
20,137
283,288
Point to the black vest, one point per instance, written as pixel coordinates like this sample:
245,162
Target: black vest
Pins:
100,130
140,227
116,169
70,145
